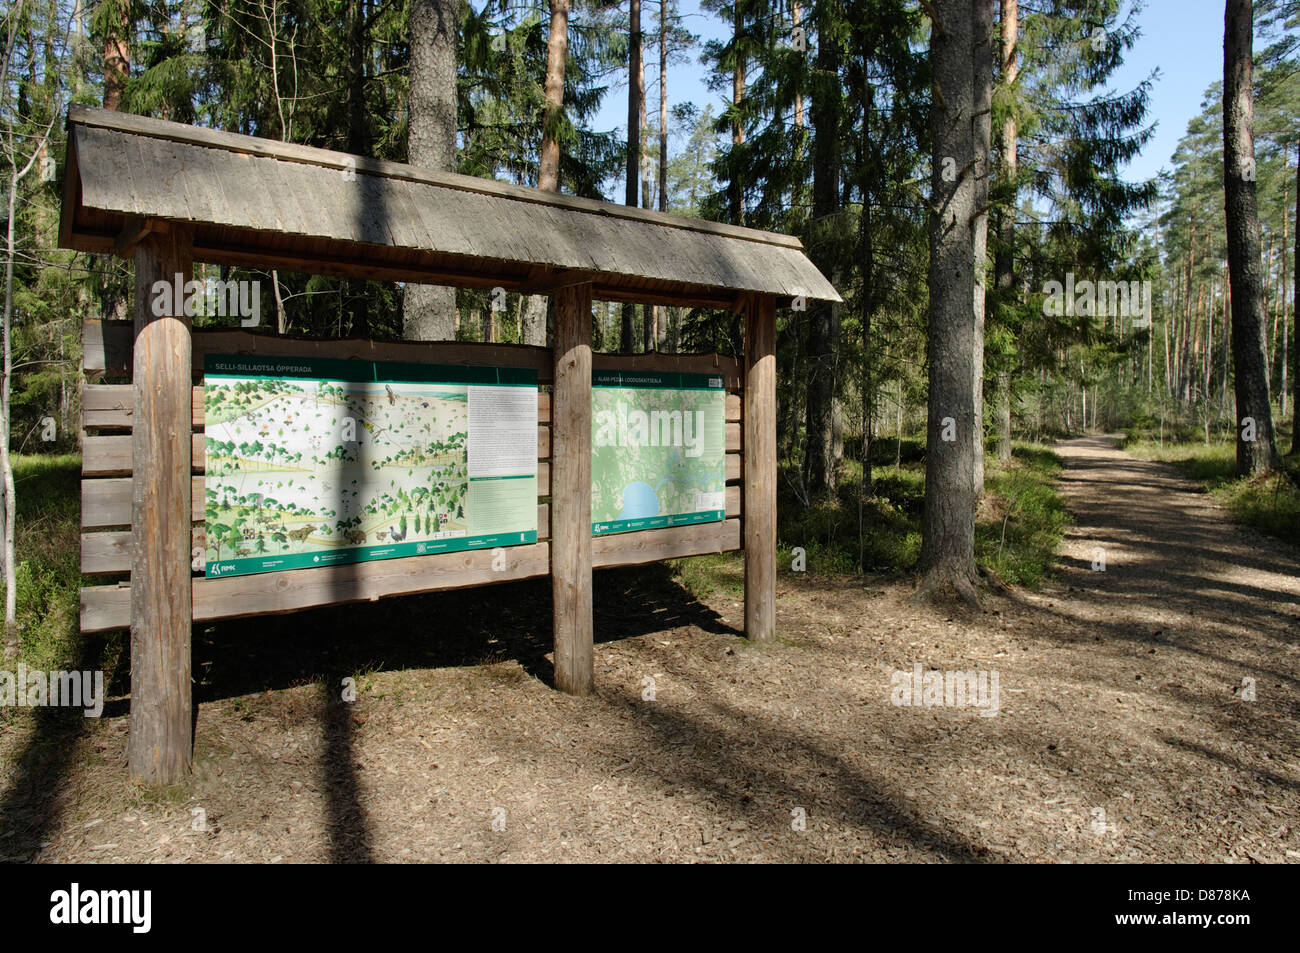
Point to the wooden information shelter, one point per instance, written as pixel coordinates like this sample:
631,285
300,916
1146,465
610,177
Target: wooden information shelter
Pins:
168,195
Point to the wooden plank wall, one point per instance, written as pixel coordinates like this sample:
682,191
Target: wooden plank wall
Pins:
106,488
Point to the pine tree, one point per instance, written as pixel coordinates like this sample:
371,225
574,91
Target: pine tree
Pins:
429,312
948,525
1256,451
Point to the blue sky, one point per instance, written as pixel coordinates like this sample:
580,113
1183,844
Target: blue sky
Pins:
1183,39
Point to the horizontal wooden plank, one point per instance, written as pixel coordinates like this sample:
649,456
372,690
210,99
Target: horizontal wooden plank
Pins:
718,365
107,502
674,542
111,455
107,350
735,467
109,553
111,407
735,406
311,155
104,608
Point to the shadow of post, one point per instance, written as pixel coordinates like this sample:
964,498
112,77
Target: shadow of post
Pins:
350,841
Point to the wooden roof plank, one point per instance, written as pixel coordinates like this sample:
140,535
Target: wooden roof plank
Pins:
257,197
293,152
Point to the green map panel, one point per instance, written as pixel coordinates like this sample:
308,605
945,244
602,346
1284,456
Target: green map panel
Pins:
321,462
658,450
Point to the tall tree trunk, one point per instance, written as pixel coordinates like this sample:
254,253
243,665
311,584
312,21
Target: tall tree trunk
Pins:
797,16
1225,344
358,143
1283,369
1004,259
6,464
867,244
429,312
663,105
1295,316
117,56
948,523
533,324
635,107
736,189
648,312
1185,334
557,52
823,344
1250,372
658,314
981,135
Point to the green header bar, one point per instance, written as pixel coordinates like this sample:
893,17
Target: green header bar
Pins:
362,372
658,379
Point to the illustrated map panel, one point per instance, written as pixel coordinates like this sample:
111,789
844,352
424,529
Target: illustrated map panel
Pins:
316,462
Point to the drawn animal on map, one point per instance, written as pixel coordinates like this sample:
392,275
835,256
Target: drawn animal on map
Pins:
300,535
392,398
356,537
395,535
241,552
381,536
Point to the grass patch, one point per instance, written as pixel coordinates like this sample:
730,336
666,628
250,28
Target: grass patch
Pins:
1026,517
1017,533
48,558
706,575
1270,504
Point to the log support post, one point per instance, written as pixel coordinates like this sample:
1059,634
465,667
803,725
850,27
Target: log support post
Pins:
760,469
161,738
571,491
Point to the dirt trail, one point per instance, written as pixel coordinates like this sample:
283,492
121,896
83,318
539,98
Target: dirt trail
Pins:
1121,734
1175,564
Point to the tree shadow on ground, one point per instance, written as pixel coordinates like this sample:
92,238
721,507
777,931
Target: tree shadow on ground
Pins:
33,806
509,622
489,624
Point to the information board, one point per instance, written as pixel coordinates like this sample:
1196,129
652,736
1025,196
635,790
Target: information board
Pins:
319,462
658,450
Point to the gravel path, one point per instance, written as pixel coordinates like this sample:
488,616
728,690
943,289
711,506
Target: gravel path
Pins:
1121,734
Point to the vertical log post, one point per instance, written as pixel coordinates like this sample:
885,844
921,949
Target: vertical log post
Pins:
161,738
571,491
760,469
